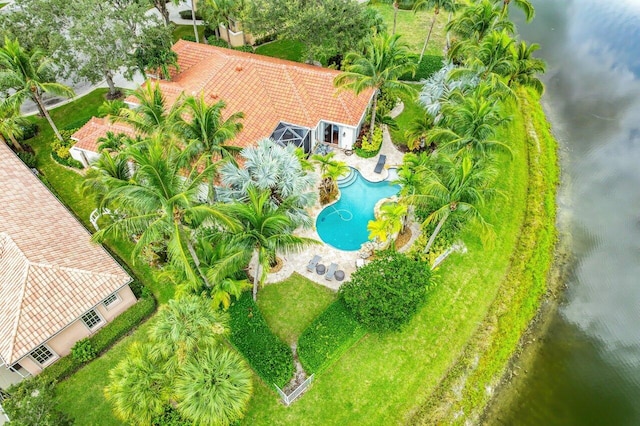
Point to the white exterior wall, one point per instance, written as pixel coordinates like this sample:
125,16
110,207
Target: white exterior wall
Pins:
347,137
83,156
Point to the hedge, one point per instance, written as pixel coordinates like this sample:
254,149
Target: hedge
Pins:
270,357
186,14
429,65
328,337
104,338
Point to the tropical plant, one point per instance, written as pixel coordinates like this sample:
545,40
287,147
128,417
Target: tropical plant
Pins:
524,5
266,231
152,115
181,327
436,6
30,75
273,168
11,125
216,12
383,61
440,87
476,20
330,169
390,222
213,388
138,386
418,131
527,67
455,187
32,402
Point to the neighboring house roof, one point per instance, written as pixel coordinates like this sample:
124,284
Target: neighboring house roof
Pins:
88,135
50,271
267,90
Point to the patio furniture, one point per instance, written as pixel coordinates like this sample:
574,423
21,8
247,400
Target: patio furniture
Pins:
320,269
339,275
381,160
313,262
332,270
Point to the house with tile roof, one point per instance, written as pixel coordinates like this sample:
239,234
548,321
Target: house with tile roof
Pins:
56,286
287,101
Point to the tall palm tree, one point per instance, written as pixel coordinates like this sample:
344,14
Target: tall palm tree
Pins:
527,67
436,6
478,19
524,5
214,387
181,327
30,75
418,131
152,115
162,203
265,231
384,60
331,170
456,187
11,125
137,387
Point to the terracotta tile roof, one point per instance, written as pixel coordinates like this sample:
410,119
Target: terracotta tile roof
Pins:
50,273
88,135
267,90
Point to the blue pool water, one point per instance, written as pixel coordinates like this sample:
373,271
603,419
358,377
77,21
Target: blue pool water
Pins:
343,225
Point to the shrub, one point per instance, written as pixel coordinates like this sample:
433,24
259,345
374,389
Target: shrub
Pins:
387,292
245,48
28,158
29,130
330,335
188,37
104,338
186,14
268,38
375,143
215,41
429,65
269,356
83,351
33,402
60,149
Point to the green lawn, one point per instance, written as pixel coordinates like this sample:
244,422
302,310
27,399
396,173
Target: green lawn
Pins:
187,30
2,5
412,110
290,306
283,49
413,27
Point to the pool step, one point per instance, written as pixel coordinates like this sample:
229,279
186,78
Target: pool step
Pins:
348,179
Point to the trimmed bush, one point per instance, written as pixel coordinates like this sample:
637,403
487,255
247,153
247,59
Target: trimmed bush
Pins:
429,65
104,338
83,351
188,38
60,149
186,14
387,292
328,337
28,158
215,41
270,357
29,130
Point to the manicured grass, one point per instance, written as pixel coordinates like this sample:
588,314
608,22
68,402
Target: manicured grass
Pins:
283,49
187,30
291,305
382,379
412,111
2,5
413,27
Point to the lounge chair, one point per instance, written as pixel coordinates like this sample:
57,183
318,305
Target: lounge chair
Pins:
331,271
381,160
313,263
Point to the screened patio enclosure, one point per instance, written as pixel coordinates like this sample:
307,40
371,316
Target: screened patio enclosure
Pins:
290,134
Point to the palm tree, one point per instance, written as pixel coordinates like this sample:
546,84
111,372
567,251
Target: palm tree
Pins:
476,20
418,131
384,61
470,125
527,67
455,187
152,115
162,203
137,387
436,6
29,74
266,231
11,125
193,20
524,5
105,174
331,170
214,387
181,327
390,222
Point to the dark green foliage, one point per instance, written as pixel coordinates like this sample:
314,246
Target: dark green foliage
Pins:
216,41
363,153
104,338
32,403
387,292
29,130
60,149
154,51
186,14
269,356
245,48
28,158
328,337
83,351
188,37
170,417
430,65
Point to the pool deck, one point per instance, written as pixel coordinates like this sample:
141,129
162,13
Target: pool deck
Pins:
346,260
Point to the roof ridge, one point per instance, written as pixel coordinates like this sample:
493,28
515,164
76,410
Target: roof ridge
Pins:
18,315
296,91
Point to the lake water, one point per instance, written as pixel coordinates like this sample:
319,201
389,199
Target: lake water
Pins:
587,371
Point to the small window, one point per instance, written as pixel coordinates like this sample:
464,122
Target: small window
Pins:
91,319
42,354
110,300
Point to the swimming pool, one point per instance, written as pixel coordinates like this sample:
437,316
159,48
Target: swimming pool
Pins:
343,225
